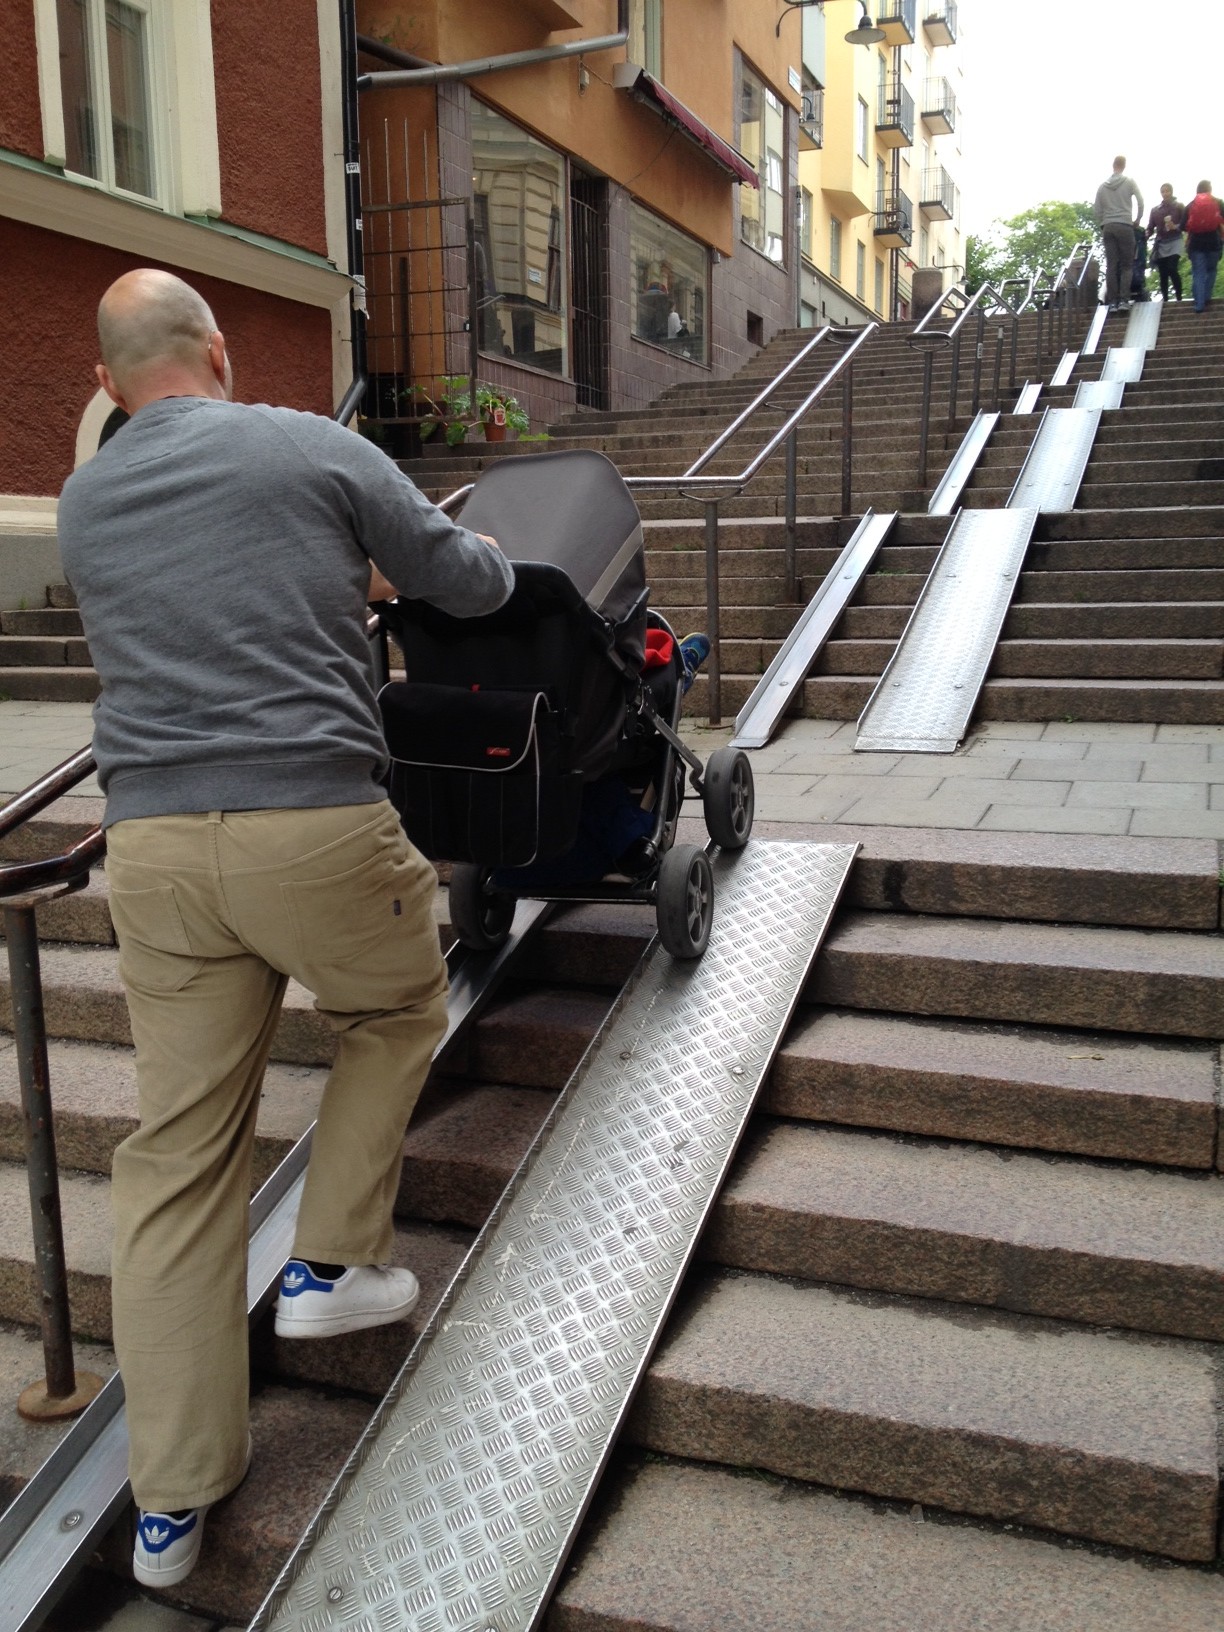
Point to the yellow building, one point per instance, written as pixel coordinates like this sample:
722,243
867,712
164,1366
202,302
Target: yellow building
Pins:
879,157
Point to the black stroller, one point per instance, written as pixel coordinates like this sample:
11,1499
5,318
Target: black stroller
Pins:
537,747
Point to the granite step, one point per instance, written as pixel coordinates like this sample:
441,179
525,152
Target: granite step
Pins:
1156,982
1012,1418
1085,1093
49,684
1103,1245
678,1547
40,621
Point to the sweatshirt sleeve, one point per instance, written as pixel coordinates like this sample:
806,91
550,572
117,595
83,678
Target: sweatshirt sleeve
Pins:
422,551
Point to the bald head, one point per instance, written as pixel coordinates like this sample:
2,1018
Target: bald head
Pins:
158,338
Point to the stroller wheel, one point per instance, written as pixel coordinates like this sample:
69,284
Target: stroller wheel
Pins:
685,902
728,799
480,916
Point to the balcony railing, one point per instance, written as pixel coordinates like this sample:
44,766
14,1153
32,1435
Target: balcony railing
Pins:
938,107
899,20
895,114
893,222
811,120
939,20
937,200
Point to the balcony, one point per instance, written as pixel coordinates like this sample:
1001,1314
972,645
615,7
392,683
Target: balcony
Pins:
899,20
895,115
940,21
937,199
811,120
939,107
893,222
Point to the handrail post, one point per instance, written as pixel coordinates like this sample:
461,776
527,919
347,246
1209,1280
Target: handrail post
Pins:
977,360
954,380
1015,340
792,508
924,423
63,1392
714,662
998,366
847,439
1040,346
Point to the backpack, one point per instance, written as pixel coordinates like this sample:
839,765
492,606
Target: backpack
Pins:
1203,214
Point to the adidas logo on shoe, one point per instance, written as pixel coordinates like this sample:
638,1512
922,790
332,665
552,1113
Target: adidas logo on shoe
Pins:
316,1305
167,1546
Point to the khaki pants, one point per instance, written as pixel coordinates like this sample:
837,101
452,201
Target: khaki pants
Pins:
213,913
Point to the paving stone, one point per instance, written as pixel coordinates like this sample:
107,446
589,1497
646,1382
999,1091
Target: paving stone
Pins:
1094,1094
1205,824
1070,1430
1019,818
1103,1245
680,1548
1081,770
1003,792
1179,796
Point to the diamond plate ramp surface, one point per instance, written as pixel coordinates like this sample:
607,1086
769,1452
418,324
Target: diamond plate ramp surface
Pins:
927,693
1051,475
457,1509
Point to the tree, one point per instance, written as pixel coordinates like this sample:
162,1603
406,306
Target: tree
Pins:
1036,240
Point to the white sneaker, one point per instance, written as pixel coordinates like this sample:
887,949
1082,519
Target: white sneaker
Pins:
365,1295
168,1545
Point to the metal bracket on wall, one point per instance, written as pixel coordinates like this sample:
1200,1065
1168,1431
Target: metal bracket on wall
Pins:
947,495
927,693
1051,474
460,1504
757,720
1095,330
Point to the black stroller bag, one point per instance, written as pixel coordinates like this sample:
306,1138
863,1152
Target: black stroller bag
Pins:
502,719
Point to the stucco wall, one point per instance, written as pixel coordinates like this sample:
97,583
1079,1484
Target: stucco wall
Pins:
20,115
281,351
269,119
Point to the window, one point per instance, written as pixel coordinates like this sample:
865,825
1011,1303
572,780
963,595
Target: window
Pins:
861,121
860,271
879,286
805,222
924,248
667,300
835,248
762,142
807,315
518,187
646,35
106,55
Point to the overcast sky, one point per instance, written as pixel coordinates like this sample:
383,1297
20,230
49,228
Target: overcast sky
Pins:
1054,88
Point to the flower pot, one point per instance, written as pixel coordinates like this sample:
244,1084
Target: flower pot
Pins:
493,430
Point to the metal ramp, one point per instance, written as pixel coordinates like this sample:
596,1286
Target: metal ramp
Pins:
457,1509
1095,330
756,721
946,496
1054,468
1099,394
927,693
50,1530
1066,366
1143,325
1026,402
1124,363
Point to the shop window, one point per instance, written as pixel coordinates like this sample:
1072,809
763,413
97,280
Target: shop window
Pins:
762,140
106,56
518,186
670,274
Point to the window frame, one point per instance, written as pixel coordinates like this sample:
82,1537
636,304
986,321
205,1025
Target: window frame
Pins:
860,269
97,47
770,160
835,247
650,13
879,285
862,129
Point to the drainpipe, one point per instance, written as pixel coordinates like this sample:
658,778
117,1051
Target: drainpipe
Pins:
352,210
389,53
440,73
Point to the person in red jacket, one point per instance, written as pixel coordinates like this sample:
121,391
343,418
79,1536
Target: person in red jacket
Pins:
1204,231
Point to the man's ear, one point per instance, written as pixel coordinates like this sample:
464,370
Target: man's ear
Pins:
216,358
108,385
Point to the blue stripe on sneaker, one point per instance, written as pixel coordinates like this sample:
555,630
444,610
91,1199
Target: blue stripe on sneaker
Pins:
299,1277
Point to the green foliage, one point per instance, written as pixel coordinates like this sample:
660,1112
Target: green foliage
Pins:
1036,240
489,399
450,409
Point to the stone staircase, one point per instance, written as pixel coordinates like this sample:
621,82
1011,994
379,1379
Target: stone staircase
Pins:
951,1357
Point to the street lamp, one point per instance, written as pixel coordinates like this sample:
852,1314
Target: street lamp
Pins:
864,33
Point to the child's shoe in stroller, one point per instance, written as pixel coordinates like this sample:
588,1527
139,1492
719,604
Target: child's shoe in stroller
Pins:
694,649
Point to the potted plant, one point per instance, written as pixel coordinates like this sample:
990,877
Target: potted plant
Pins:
450,410
499,411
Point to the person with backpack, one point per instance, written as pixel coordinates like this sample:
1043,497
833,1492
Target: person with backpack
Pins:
1165,229
1204,230
1117,210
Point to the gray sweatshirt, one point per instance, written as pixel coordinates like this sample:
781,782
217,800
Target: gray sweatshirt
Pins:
221,557
1113,202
